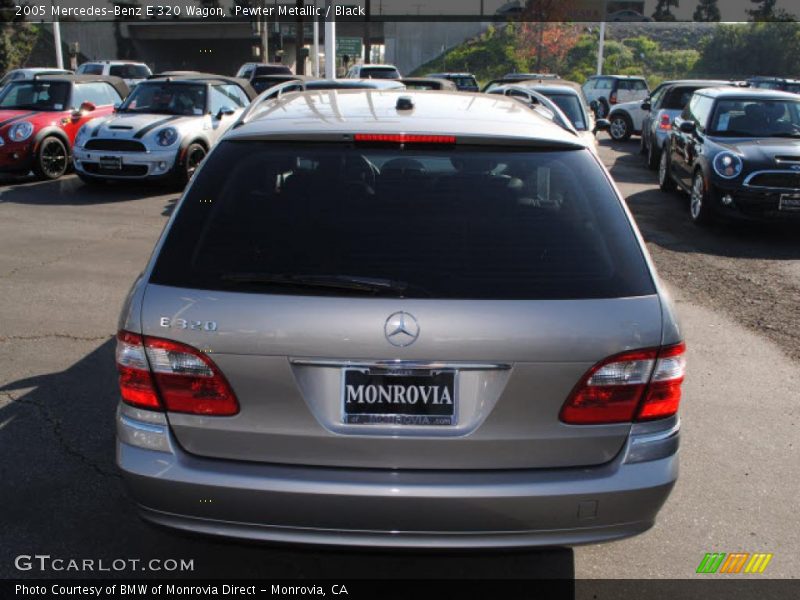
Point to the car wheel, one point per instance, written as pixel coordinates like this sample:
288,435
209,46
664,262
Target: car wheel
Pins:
621,127
653,156
700,201
52,160
195,154
665,181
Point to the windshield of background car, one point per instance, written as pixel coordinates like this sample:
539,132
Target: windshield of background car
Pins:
378,73
438,221
756,118
130,71
36,95
571,107
167,98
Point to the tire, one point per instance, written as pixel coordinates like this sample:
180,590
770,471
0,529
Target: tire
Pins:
602,108
701,211
665,181
621,127
194,155
52,158
653,156
642,144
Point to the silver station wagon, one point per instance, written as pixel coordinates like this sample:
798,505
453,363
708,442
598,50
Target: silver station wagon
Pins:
396,318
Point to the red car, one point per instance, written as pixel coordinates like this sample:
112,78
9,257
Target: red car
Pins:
40,118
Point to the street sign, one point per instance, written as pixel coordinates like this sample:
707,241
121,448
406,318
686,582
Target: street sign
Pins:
350,46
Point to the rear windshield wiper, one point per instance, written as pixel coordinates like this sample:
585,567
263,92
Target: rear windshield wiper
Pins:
342,282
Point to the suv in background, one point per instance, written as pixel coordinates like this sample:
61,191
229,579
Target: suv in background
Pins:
252,70
400,318
373,72
131,72
604,91
464,82
775,83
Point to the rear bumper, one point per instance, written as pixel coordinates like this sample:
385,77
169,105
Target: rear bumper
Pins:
397,508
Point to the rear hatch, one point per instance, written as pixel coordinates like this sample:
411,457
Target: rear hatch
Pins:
421,306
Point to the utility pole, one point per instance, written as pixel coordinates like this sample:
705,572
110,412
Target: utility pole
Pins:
57,41
264,35
367,32
330,42
601,45
299,40
315,49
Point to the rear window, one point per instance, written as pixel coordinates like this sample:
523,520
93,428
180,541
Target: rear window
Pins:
130,71
464,82
678,98
90,69
271,70
443,222
379,73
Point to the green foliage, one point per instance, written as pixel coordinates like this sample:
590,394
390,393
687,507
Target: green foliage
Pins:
490,55
750,49
16,38
707,10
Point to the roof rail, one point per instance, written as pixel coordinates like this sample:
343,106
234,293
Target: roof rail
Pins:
559,118
268,95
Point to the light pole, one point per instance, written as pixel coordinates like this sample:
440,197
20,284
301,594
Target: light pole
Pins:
57,40
330,42
601,45
264,35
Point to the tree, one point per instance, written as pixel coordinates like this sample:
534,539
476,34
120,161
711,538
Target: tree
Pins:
543,39
707,10
16,37
663,12
765,11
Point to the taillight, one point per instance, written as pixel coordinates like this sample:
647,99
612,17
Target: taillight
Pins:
612,99
404,138
162,374
665,122
640,385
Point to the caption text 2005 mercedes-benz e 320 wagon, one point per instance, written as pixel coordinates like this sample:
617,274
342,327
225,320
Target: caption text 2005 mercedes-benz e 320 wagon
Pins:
400,319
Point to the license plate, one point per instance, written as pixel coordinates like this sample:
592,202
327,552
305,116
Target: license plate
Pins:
111,163
399,398
789,202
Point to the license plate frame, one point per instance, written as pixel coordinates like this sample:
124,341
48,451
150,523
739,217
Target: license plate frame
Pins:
111,163
432,407
789,202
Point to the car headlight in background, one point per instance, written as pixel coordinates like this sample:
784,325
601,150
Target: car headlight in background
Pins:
19,132
727,165
167,136
83,133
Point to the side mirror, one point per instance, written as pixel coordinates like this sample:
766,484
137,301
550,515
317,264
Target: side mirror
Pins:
646,105
225,111
116,106
77,115
687,126
601,125
87,107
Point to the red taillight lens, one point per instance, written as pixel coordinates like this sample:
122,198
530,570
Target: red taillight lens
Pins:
665,122
135,383
176,377
643,384
664,392
404,138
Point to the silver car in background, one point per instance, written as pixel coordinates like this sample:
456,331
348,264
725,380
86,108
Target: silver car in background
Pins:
396,318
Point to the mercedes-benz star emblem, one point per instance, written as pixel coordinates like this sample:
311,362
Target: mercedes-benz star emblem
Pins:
401,329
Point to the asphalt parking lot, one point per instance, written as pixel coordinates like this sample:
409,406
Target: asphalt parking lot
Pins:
69,253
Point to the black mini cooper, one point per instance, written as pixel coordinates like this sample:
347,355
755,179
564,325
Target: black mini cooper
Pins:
736,152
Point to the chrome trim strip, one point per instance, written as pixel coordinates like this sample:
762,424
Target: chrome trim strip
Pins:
140,426
749,178
400,364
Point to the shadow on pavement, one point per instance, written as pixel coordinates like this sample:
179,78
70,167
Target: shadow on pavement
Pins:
62,496
70,190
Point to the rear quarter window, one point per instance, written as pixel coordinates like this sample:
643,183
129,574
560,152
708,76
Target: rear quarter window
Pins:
461,223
